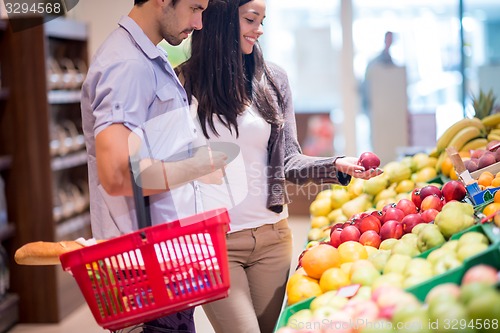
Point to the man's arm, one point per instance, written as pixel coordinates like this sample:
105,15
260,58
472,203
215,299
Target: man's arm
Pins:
112,156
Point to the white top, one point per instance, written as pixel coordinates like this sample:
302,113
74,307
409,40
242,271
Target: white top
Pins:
244,189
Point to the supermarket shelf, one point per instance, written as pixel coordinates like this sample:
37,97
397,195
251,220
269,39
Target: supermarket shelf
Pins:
9,312
5,162
69,161
72,225
66,29
4,93
64,96
6,232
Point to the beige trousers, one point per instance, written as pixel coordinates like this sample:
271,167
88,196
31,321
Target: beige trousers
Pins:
259,263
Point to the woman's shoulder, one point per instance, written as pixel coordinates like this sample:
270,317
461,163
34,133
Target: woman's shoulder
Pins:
276,71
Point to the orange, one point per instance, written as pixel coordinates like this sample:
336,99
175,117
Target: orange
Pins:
333,279
495,182
352,251
296,276
485,178
496,196
319,258
446,166
302,289
491,208
453,174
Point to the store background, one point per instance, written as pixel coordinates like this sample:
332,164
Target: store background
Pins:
325,46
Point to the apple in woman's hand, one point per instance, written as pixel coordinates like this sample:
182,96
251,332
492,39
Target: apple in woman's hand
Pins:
369,160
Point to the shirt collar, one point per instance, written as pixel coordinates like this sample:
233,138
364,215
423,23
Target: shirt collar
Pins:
151,50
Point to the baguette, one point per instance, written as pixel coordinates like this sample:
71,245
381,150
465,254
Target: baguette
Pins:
44,253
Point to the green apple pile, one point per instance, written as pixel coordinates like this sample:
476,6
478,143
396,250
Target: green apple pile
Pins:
472,307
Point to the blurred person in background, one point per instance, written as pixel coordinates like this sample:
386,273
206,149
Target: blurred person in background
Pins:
384,58
242,99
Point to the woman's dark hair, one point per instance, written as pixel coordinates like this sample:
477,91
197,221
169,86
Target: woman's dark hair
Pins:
223,80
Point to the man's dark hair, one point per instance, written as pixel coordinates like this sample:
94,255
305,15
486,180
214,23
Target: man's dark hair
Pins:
140,2
221,77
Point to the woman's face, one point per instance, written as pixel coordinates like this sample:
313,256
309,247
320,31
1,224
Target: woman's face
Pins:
252,15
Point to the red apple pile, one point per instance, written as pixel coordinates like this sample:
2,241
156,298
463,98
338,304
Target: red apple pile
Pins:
397,219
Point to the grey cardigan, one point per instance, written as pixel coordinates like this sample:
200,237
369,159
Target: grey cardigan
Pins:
285,159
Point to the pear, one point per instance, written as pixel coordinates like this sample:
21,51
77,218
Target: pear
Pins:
454,217
356,205
374,185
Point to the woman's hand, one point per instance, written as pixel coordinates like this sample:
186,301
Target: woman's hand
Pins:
349,165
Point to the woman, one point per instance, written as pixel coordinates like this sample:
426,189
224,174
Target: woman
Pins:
246,101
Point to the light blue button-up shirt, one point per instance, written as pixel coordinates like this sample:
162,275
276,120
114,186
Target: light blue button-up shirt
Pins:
131,82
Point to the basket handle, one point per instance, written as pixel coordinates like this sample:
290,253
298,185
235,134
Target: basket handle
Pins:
141,202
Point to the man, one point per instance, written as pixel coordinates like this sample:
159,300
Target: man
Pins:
133,106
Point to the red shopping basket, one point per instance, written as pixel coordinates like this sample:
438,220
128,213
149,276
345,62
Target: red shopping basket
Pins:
154,271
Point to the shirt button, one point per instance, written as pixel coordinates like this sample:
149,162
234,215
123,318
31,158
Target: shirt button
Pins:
185,100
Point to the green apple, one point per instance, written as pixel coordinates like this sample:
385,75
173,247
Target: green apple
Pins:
472,237
299,318
387,244
429,238
418,267
407,248
413,280
452,245
446,290
469,291
323,312
470,250
446,263
411,238
418,228
447,313
396,263
485,306
440,253
364,293
454,217
365,276
389,279
379,259
330,299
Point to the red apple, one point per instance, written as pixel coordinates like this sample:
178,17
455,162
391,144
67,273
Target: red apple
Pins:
386,207
350,233
431,201
415,197
411,220
370,238
407,206
378,214
335,237
481,273
391,229
393,214
369,222
430,190
369,160
453,190
429,215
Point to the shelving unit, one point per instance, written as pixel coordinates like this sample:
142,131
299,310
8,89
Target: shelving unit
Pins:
28,108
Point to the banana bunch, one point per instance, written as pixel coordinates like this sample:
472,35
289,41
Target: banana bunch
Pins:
459,134
464,135
494,134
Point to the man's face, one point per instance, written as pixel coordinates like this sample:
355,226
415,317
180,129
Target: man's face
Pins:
178,22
